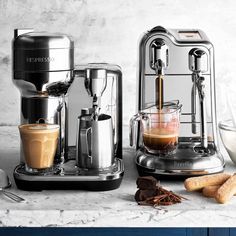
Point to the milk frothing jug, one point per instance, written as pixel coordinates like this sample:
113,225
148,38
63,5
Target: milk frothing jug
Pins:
95,142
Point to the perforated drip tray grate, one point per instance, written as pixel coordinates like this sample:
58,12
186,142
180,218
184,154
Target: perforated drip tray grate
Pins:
185,162
68,176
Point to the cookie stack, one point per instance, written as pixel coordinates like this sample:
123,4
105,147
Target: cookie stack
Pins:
222,186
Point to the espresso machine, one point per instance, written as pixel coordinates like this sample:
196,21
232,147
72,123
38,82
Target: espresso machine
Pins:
184,58
43,70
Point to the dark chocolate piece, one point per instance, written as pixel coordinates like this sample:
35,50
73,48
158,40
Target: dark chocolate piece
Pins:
146,182
142,195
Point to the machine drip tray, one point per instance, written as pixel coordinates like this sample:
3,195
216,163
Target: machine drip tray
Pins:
184,163
68,176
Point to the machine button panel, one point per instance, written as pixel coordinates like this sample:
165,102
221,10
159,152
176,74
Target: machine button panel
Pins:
189,35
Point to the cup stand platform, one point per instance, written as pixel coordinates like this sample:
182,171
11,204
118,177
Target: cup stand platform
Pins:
68,176
183,164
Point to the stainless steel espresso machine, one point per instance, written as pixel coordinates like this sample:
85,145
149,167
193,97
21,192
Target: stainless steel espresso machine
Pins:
43,70
184,59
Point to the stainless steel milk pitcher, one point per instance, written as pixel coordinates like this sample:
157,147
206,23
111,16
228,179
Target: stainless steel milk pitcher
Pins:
95,144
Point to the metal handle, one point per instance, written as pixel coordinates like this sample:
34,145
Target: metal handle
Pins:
133,122
87,143
84,146
13,196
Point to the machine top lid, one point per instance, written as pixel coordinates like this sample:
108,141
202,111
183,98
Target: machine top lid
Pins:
41,40
98,66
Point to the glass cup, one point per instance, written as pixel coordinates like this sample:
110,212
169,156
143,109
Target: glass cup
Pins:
39,142
159,129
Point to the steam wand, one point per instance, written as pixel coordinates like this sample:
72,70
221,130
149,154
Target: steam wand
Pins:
96,108
200,83
198,64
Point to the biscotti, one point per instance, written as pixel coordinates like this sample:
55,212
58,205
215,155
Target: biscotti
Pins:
197,183
227,190
210,191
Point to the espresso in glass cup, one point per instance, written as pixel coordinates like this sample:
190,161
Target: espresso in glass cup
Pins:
39,143
160,128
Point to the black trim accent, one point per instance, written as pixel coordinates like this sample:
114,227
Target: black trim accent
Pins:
68,185
158,29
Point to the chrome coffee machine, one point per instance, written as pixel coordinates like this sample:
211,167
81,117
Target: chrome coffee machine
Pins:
176,64
43,70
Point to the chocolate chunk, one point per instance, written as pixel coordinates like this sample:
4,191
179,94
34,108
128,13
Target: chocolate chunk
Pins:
142,195
146,182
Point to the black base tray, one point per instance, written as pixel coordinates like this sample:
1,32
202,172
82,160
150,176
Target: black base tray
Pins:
145,172
142,171
78,185
71,178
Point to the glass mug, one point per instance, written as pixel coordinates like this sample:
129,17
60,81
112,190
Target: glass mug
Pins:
39,142
159,129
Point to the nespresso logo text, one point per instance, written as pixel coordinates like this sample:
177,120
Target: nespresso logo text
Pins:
39,59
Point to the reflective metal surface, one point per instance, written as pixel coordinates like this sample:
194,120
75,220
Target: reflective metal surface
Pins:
190,71
95,142
43,67
198,64
41,52
186,162
43,71
198,61
110,103
68,174
95,81
6,183
159,56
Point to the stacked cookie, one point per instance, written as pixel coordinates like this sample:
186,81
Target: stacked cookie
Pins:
222,186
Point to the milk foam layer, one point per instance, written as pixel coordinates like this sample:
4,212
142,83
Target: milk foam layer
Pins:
39,127
153,135
43,127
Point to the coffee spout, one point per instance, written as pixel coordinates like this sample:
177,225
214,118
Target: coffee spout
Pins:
159,62
96,112
159,56
159,67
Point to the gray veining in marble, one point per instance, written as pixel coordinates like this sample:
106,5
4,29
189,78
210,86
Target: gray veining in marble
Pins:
108,31
115,208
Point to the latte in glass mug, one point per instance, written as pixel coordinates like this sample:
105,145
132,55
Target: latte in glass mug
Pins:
39,142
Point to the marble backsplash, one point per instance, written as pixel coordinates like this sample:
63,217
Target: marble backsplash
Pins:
108,31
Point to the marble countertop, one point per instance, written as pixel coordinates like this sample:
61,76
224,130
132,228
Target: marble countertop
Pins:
116,208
